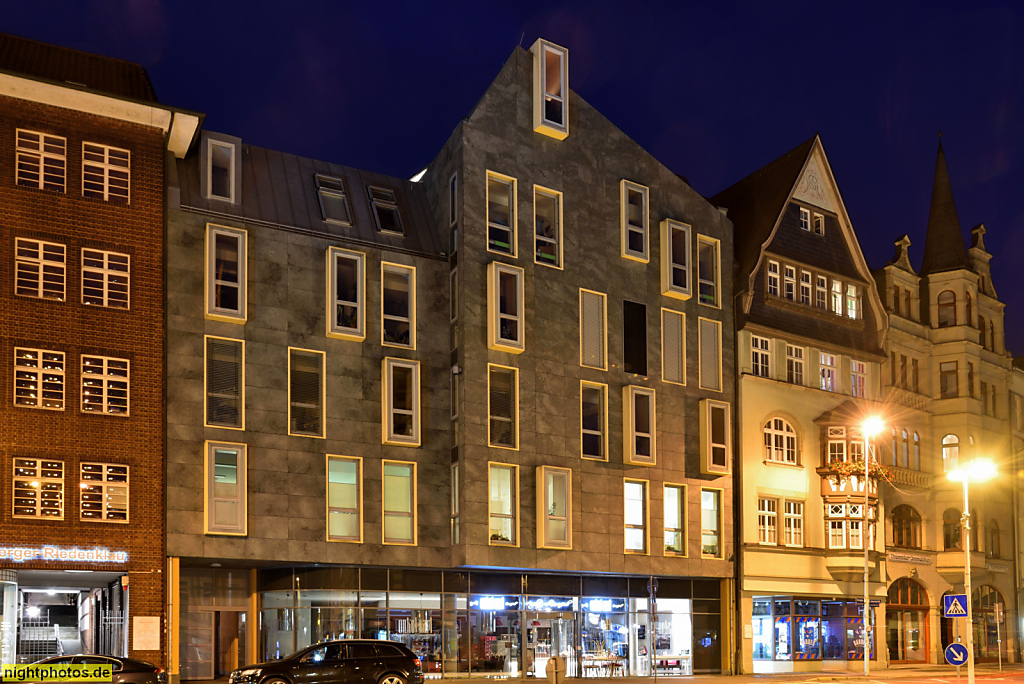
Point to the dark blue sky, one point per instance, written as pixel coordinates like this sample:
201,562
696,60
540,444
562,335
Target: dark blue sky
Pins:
713,89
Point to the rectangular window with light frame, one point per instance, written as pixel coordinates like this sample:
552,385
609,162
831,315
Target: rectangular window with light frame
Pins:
225,274
41,160
673,346
346,294
638,428
38,488
39,378
708,270
794,364
344,498
554,507
501,214
675,520
399,502
794,523
675,259
104,492
40,269
547,218
306,391
505,321
225,383
398,305
106,173
711,523
503,406
594,420
550,89
105,278
760,356
225,488
401,402
635,515
710,356
503,506
715,437
593,329
767,521
634,218
105,385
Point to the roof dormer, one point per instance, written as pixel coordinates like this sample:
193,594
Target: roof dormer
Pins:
550,89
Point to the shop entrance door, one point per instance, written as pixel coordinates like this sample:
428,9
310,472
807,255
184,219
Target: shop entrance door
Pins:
906,632
550,634
216,644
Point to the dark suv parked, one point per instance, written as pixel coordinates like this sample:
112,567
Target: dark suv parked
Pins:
356,661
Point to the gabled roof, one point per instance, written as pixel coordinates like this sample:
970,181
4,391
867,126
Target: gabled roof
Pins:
944,243
64,66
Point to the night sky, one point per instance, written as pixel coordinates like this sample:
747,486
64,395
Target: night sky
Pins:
714,90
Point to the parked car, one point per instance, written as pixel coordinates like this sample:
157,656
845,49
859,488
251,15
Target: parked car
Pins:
355,661
126,670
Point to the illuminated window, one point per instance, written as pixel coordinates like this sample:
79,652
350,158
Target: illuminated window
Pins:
554,503
634,494
710,523
950,453
779,441
503,482
794,523
827,363
675,520
767,521
501,214
104,495
858,378
38,490
399,494
550,89
225,488
105,385
39,378
344,499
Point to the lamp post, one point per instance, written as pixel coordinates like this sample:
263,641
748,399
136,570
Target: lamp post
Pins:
978,470
871,427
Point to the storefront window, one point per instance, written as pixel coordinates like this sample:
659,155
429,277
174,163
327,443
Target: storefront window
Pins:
605,634
673,636
762,625
804,629
494,624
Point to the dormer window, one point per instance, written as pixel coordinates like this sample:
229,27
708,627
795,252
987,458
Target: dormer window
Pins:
550,89
333,200
819,224
385,210
222,168
220,174
805,219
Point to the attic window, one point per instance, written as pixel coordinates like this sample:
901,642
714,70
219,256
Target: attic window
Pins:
333,199
385,210
550,89
221,170
819,224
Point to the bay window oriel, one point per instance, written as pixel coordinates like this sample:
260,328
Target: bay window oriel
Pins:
501,214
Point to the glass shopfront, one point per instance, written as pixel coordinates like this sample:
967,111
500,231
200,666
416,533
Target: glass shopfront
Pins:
787,628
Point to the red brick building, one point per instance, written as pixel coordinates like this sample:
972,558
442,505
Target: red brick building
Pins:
83,142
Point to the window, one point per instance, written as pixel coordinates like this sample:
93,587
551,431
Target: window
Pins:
969,312
951,526
594,420
593,329
948,380
852,301
819,224
789,283
673,346
105,385
994,549
547,218
105,172
105,278
805,288
773,278
707,270
828,372
675,259
399,502
845,523
225,382
915,373
779,441
634,220
41,160
638,425
1017,411
104,492
805,219
916,463
634,338
386,215
221,180
39,378
970,379
906,303
503,406
455,503
837,528
344,499
985,407
550,89
760,356
347,294
837,297
836,444
821,292
794,364
504,504
634,495
38,489
794,520
401,402
305,392
947,309
950,453
39,269
225,488
906,527
905,452
505,323
710,337
333,200
710,523
398,305
675,520
501,214
453,214
858,376
767,521
715,439
225,274
896,299
554,502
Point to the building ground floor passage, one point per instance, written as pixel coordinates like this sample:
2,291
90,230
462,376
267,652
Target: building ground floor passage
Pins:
458,623
62,612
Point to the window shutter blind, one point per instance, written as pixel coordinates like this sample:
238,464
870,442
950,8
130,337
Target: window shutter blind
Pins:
672,346
502,408
592,333
224,382
709,355
305,393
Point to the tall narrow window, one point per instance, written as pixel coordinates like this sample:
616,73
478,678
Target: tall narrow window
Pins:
710,523
503,406
221,170
39,378
550,89
594,420
947,309
39,269
779,441
225,488
305,392
821,292
760,356
401,402
501,214
837,297
819,224
805,219
948,380
675,520
386,214
344,499
105,385
398,305
858,378
105,278
225,273
794,519
41,160
715,439
789,283
794,364
104,492
105,173
456,522
399,502
634,338
952,527
905,454
852,301
634,219
38,489
346,294
554,503
707,270
767,521
907,297
453,214
827,368
710,354
675,259
333,200
547,218
673,346
593,329
503,507
638,429
915,375
773,278
634,495
915,462
225,382
505,323
805,288
950,453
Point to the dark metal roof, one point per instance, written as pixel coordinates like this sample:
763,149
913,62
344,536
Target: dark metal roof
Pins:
65,66
944,243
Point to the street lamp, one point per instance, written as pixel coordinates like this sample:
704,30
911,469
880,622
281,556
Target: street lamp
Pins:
869,428
978,470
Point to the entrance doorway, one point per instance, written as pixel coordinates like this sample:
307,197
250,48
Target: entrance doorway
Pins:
216,643
547,635
906,622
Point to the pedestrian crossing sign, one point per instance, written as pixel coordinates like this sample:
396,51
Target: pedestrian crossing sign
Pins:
954,605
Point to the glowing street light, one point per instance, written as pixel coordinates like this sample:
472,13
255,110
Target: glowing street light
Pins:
869,428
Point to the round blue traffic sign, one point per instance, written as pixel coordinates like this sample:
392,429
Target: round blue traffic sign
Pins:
956,654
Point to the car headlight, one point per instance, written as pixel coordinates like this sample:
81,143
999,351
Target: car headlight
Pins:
247,674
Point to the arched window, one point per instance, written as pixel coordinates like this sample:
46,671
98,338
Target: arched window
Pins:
969,310
905,453
895,453
974,530
906,592
947,309
950,453
951,529
916,463
993,550
779,441
983,327
906,527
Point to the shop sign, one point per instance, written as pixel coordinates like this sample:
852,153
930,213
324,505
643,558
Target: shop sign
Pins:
494,602
604,605
96,554
908,558
550,603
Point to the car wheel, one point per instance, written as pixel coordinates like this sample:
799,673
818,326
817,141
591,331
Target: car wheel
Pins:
274,680
392,679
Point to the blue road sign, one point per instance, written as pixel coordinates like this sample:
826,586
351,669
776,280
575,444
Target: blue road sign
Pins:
956,654
954,605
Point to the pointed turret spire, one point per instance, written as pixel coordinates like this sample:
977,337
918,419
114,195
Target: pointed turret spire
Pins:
944,244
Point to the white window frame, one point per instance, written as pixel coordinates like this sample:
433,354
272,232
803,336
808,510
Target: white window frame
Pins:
539,190
108,276
491,367
36,263
233,150
793,514
109,378
413,500
213,311
334,187
602,432
718,531
789,283
321,432
852,301
805,219
767,521
828,370
670,260
858,378
625,188
760,356
511,515
794,364
39,476
715,282
702,381
385,268
42,154
385,199
206,383
818,226
32,379
821,292
780,442
455,521
710,446
105,480
541,123
676,533
512,228
666,315
631,524
104,177
584,293
496,335
211,497
774,289
837,297
545,512
390,411
357,510
630,430
358,333
805,288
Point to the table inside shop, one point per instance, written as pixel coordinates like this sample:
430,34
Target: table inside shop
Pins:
677,664
603,666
